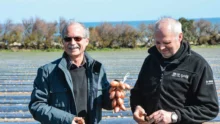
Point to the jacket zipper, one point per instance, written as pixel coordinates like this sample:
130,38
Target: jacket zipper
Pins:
161,81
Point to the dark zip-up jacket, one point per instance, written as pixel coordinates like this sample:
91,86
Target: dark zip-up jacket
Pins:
185,85
52,99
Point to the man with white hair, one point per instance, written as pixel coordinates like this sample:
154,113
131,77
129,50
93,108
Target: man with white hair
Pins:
175,84
74,88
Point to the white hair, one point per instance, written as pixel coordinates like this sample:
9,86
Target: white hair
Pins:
173,25
72,22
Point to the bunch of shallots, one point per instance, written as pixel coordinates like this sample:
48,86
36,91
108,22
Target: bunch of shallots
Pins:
117,94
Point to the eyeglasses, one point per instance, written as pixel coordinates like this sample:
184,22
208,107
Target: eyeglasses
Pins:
69,39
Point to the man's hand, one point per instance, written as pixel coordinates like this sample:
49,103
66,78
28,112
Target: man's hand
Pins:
160,117
117,94
78,120
139,115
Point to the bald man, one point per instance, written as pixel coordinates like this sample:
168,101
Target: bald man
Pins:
175,84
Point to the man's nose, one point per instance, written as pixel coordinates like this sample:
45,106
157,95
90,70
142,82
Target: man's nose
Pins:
161,47
73,41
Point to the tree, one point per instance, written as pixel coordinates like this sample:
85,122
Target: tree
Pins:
39,31
16,34
94,39
28,28
188,30
6,31
105,32
203,29
130,36
142,30
150,33
1,29
51,30
125,35
216,28
2,44
62,23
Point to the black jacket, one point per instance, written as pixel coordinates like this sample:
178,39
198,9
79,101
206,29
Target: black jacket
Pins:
185,85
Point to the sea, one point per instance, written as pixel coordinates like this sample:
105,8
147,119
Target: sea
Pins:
136,24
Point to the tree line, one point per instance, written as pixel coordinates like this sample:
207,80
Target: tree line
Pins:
39,34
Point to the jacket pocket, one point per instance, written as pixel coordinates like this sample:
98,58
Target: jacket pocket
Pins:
97,95
59,97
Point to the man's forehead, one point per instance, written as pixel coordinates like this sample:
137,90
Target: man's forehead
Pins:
74,28
164,26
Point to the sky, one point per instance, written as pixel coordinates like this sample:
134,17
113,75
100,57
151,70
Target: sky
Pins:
106,10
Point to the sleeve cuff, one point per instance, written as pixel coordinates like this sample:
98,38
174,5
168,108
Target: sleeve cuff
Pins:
179,116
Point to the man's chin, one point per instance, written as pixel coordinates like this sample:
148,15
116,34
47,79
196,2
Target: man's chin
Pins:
166,56
73,53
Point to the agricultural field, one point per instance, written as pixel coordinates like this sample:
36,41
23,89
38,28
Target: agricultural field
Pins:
18,70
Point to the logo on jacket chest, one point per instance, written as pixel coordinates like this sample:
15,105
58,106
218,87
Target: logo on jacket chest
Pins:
180,75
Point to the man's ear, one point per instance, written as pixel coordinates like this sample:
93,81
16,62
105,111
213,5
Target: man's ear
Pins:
180,37
87,41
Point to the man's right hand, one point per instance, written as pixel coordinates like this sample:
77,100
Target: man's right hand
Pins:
139,115
78,120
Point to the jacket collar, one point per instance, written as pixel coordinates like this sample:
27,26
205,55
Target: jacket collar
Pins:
63,66
71,65
64,63
186,51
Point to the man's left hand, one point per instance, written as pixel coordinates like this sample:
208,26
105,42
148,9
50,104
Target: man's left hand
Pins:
160,117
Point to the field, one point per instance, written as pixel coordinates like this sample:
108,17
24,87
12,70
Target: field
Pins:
18,70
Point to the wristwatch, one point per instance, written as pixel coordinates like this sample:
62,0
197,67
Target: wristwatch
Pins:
174,117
